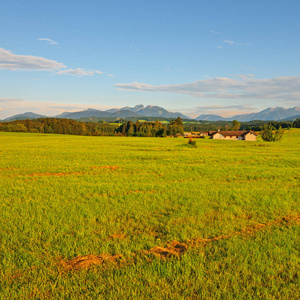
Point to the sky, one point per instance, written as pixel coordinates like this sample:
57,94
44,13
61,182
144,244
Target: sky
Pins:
222,57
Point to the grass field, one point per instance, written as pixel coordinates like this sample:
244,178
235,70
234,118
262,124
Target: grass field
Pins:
148,218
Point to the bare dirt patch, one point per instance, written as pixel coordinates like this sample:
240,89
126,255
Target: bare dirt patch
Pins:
112,168
173,249
84,262
119,236
56,174
9,169
139,192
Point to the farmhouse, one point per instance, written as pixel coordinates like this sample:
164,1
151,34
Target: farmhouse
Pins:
233,135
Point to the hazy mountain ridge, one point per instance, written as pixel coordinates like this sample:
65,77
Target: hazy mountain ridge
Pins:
268,114
124,112
26,115
150,111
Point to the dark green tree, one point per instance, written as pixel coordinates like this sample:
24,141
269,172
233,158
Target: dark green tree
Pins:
235,125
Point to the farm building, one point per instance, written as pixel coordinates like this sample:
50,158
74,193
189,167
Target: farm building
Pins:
195,134
233,135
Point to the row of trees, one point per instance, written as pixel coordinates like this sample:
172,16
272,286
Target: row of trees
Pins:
68,126
59,126
151,129
271,131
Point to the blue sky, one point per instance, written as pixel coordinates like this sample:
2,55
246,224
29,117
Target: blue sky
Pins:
216,56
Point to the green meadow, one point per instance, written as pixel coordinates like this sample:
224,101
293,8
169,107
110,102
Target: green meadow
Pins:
86,217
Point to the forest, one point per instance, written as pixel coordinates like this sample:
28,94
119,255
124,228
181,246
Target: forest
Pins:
138,128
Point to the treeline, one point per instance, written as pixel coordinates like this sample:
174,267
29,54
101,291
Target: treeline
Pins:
296,123
151,129
145,129
69,126
256,125
59,126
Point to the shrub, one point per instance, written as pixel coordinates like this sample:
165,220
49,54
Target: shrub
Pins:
192,143
268,135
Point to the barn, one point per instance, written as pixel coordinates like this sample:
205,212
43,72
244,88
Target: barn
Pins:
233,135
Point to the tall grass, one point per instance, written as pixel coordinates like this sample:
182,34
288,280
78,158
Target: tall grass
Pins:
68,196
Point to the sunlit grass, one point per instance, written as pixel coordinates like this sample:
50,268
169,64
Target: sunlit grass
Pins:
63,196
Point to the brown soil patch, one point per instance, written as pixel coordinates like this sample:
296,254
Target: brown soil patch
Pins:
173,249
84,262
119,236
9,169
139,192
56,174
113,168
203,242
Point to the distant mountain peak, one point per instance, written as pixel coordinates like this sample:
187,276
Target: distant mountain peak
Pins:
91,109
139,106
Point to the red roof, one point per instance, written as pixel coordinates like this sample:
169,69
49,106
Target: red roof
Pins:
233,133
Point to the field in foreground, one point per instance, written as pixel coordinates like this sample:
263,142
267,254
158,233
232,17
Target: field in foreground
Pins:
148,218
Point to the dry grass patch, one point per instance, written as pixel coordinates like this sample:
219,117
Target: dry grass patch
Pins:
84,262
139,192
56,174
119,236
112,168
9,169
173,249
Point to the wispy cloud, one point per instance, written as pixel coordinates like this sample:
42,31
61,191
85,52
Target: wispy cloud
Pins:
10,100
14,62
215,32
225,107
245,87
51,42
44,108
10,61
67,107
110,75
229,42
236,44
223,110
78,72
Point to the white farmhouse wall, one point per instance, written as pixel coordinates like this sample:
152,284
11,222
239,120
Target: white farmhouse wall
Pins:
250,137
218,136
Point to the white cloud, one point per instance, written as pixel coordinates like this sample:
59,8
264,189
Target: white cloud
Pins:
236,44
10,61
13,62
110,75
51,42
220,47
78,72
245,87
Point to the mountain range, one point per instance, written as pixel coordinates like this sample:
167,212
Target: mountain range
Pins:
269,114
124,112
